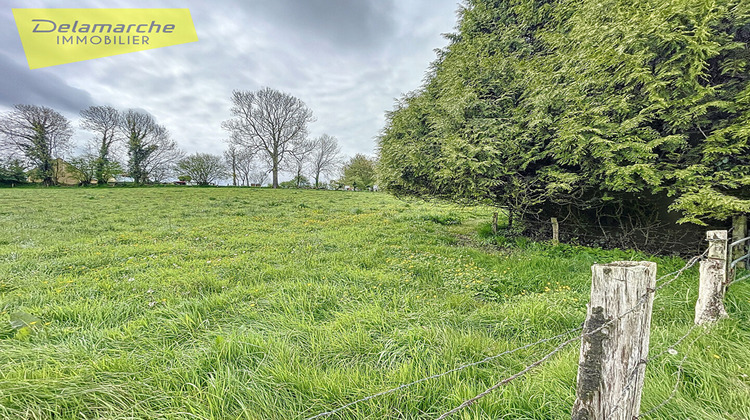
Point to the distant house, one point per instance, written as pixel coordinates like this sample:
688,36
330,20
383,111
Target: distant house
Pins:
64,174
61,173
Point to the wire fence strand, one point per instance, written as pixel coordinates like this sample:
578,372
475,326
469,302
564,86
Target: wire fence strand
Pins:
694,260
661,284
641,301
509,379
456,369
671,349
677,381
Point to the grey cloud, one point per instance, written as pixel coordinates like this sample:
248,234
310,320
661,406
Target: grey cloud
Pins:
343,23
9,34
19,85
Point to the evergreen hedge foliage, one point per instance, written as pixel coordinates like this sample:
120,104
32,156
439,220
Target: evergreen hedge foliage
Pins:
592,107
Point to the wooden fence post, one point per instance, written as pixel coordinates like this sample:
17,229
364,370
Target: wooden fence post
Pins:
555,231
713,272
739,223
611,368
494,223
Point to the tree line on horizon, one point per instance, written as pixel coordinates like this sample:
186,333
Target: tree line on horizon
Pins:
36,137
615,112
268,135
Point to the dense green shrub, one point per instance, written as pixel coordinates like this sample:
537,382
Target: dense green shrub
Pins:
601,110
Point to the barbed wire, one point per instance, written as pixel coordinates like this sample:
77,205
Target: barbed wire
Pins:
633,374
691,262
456,369
546,357
670,349
678,380
509,379
642,300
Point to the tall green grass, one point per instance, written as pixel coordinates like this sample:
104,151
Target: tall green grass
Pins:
188,303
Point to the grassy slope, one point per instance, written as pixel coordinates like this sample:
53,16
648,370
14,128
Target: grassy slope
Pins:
245,303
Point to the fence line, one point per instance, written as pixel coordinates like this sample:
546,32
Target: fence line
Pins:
739,257
509,379
671,349
677,381
738,262
459,368
691,262
743,257
661,283
642,300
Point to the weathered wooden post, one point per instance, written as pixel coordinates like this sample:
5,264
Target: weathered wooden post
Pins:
739,223
713,278
555,231
610,370
494,223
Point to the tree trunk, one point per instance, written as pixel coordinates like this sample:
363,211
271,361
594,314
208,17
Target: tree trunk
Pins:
100,162
510,220
275,171
47,173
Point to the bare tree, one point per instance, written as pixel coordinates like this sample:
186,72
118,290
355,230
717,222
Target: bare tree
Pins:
299,157
152,154
325,158
105,122
230,158
244,166
268,121
203,168
258,175
39,133
252,169
161,164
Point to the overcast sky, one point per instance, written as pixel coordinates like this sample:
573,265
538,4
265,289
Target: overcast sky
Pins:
346,59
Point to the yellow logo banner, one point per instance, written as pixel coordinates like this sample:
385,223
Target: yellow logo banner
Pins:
59,36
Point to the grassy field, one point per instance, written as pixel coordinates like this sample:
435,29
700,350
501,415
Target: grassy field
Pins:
222,303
